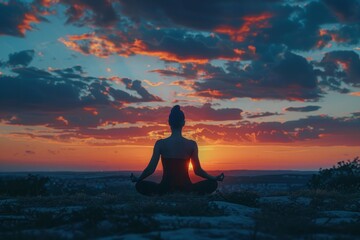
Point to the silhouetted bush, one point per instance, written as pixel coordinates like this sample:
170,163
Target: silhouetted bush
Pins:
343,177
24,186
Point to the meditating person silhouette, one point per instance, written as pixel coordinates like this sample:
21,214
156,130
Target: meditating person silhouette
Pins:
176,153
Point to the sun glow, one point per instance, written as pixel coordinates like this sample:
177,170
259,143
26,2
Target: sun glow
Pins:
191,167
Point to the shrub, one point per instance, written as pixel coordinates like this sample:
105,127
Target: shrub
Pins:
343,177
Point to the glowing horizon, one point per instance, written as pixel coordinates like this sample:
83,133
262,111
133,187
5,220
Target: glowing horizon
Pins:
70,157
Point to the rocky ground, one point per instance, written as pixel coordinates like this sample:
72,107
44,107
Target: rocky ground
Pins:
106,206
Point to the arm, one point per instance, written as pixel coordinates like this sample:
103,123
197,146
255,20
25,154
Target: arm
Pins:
198,169
150,169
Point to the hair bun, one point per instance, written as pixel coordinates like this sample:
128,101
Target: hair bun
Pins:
176,108
176,117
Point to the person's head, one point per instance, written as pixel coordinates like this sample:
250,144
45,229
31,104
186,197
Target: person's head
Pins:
176,118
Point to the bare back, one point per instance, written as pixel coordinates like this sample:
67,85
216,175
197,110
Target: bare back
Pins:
176,152
177,147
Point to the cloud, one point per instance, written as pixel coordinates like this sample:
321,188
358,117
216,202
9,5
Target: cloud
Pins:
187,71
185,31
277,74
135,85
302,109
101,116
261,114
29,152
153,84
22,58
196,15
357,94
88,12
346,11
221,114
258,23
320,130
341,66
62,89
70,99
356,114
17,17
250,27
175,45
227,30
99,45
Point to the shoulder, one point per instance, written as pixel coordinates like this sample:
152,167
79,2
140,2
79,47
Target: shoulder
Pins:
191,142
158,145
159,142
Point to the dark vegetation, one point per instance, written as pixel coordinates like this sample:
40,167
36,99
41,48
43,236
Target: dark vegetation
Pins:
31,185
343,177
330,190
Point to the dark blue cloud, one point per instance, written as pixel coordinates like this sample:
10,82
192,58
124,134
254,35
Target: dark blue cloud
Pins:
341,66
279,75
324,130
36,89
261,114
22,58
95,116
90,12
17,17
197,15
345,10
302,109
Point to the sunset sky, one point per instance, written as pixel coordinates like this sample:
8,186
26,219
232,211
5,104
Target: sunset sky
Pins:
264,84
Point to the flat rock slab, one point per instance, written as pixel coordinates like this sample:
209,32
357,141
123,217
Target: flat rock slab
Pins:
337,217
188,233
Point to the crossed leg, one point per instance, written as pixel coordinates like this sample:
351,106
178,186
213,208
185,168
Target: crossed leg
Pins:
149,188
204,187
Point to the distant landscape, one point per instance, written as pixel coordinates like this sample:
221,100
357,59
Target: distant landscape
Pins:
249,204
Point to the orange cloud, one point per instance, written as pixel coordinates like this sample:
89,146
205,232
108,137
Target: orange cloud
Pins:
26,23
252,49
48,3
62,119
323,32
344,65
92,110
153,84
334,36
102,46
141,48
209,93
357,94
249,27
185,84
